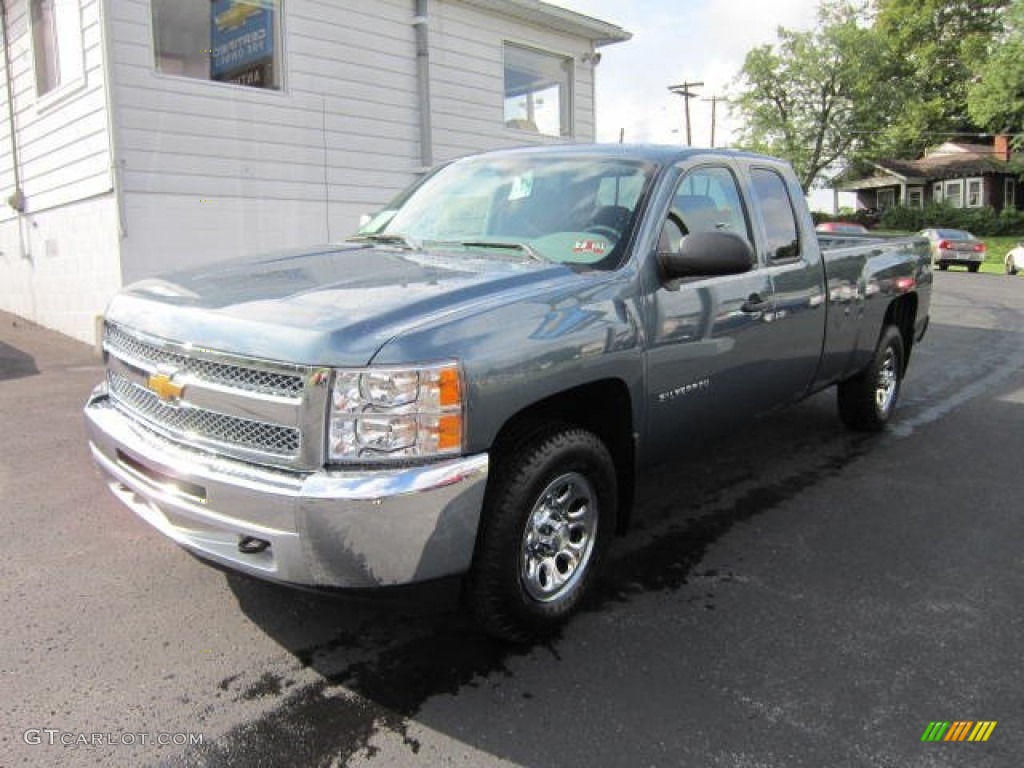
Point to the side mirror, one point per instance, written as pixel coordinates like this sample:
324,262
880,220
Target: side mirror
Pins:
707,254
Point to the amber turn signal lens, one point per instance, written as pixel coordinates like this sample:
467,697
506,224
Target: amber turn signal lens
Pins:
449,432
450,386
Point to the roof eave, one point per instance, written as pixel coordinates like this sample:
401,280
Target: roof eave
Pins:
877,182
888,169
600,33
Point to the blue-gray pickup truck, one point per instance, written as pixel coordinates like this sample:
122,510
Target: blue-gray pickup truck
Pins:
472,385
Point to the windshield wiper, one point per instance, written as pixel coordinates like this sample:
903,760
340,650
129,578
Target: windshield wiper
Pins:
510,245
388,238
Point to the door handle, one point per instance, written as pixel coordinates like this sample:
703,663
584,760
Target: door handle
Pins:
755,303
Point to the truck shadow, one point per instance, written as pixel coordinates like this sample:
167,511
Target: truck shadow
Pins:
15,364
398,653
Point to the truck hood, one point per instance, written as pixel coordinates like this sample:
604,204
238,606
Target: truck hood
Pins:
334,306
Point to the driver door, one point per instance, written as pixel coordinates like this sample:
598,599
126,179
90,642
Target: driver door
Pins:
706,336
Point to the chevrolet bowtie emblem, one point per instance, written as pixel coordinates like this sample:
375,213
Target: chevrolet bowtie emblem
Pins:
164,386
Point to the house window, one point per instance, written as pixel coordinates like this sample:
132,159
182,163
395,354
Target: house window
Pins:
937,192
953,193
974,193
1009,194
886,198
915,197
229,41
56,44
44,45
538,91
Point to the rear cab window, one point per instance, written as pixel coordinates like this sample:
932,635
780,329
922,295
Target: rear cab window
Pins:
781,233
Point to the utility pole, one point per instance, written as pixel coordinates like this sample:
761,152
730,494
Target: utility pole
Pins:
714,104
683,89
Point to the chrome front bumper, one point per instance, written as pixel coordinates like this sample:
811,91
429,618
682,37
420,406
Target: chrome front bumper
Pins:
352,528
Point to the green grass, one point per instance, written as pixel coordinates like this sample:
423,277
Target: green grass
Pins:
998,246
997,250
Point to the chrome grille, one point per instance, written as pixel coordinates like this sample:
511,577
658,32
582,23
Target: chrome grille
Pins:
188,422
235,376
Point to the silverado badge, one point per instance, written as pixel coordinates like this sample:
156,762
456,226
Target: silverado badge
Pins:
162,384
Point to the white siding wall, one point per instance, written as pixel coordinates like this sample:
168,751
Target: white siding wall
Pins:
468,75
59,261
61,269
212,171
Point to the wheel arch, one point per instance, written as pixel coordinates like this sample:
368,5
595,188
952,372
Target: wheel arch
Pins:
603,407
902,313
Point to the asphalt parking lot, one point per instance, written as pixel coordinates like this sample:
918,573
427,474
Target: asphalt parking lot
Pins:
797,596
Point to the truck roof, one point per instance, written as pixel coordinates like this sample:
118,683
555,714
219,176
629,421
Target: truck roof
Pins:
663,154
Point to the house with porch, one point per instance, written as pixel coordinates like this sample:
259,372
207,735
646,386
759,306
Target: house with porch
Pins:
961,175
140,136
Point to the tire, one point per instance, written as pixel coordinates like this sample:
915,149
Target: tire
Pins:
548,516
867,401
973,267
942,265
1011,267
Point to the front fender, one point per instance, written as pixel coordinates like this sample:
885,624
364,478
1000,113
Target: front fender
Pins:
522,352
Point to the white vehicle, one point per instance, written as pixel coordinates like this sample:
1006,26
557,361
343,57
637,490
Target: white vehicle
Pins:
1014,260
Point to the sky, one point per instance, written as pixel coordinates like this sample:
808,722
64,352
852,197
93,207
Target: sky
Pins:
676,41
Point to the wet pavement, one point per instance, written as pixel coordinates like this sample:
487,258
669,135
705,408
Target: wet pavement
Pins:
794,596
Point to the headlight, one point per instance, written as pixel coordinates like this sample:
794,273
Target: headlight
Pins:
395,413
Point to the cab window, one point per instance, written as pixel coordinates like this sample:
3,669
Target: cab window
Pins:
706,200
782,238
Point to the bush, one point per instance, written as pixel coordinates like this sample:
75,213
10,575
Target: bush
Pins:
866,217
984,222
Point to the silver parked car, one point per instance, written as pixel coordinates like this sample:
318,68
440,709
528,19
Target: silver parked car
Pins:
955,247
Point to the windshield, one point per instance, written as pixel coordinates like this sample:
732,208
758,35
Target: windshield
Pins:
567,209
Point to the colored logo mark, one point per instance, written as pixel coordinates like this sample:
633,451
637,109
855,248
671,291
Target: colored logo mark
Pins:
959,730
162,386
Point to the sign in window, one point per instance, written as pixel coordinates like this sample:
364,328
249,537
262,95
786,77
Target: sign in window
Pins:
228,41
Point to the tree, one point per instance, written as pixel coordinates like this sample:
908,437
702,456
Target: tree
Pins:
995,98
808,97
934,48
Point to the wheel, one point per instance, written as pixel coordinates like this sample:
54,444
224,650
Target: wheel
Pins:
868,399
547,518
973,267
1011,267
942,265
